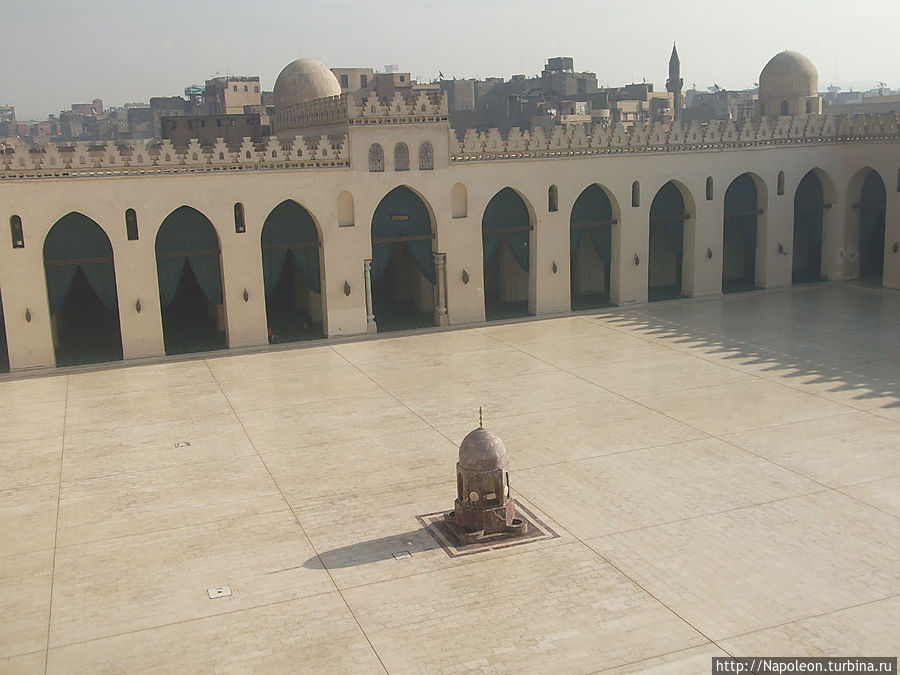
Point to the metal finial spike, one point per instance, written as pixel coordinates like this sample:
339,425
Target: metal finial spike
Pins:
480,418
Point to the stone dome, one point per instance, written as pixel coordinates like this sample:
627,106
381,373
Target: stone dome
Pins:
788,75
482,450
304,80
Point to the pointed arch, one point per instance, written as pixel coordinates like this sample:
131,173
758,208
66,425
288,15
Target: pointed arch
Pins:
591,223
744,204
668,213
189,273
866,223
506,228
81,288
426,156
402,271
809,205
290,244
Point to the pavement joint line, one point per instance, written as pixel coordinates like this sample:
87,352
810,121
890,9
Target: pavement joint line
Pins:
652,658
812,616
62,451
302,529
189,620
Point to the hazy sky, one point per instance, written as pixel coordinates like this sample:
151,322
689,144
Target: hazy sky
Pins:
57,52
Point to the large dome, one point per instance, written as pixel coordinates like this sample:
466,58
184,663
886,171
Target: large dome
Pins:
788,75
482,450
304,80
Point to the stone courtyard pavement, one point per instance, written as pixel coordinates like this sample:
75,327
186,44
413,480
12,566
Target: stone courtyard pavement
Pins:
723,475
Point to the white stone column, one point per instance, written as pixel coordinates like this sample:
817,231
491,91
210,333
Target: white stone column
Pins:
371,326
775,243
440,290
630,256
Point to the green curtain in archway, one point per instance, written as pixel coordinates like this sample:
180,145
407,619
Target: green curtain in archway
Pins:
667,213
592,206
401,214
809,203
187,236
287,224
741,205
78,241
872,205
506,210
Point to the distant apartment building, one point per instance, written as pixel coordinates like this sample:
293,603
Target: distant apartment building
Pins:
8,125
228,95
354,79
207,128
719,104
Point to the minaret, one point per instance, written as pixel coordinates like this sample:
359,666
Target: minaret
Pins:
674,83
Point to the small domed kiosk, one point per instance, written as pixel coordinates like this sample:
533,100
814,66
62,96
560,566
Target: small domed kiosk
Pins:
483,507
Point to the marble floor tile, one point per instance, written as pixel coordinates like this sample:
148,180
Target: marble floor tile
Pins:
27,392
309,635
34,461
863,630
25,580
691,660
604,495
765,565
28,518
883,494
142,581
738,406
24,664
130,503
836,451
618,622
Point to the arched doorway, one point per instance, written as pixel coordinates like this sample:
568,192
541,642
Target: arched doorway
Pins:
809,205
590,248
666,243
402,262
81,288
291,272
505,233
189,273
739,235
872,207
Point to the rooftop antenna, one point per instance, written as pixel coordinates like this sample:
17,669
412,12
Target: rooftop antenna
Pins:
480,418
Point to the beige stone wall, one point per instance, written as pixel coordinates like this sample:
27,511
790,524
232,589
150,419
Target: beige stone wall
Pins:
41,202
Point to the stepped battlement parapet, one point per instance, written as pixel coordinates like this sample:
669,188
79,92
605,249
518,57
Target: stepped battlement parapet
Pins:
694,136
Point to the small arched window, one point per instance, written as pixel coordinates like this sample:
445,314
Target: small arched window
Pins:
780,186
784,108
401,157
635,193
426,157
459,201
16,231
240,226
709,188
552,198
376,158
131,226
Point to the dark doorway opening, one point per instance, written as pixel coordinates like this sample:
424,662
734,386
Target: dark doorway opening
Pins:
4,346
872,208
291,271
590,249
506,232
81,286
190,283
809,208
402,271
739,235
666,244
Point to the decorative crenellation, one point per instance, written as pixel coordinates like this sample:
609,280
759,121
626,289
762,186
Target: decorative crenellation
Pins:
658,137
420,107
56,160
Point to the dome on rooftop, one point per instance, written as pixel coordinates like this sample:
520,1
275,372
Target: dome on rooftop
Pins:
482,450
788,75
304,80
